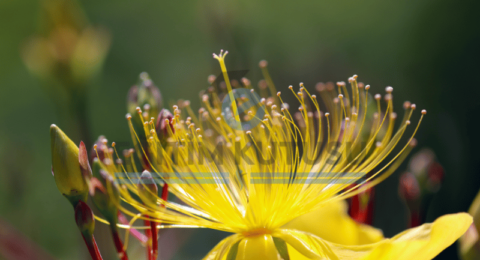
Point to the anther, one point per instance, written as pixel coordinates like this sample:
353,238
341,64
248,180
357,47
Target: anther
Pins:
263,64
355,76
340,83
95,146
424,112
347,119
128,116
320,87
278,93
314,96
327,114
340,96
246,82
413,106
113,144
378,96
367,87
218,119
351,80
407,122
252,90
248,132
290,87
139,110
211,79
414,142
406,104
389,89
274,106
186,103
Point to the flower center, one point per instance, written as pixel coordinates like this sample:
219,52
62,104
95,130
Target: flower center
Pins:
256,232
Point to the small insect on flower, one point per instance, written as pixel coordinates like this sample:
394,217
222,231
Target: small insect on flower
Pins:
252,175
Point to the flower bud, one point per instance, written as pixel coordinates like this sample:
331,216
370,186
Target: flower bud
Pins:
84,219
145,95
410,192
162,126
148,190
66,167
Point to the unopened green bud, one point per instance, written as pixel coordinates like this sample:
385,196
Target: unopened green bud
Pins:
146,96
84,219
66,167
148,190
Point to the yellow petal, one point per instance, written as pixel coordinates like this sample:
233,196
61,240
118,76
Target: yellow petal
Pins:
420,243
424,242
257,247
332,223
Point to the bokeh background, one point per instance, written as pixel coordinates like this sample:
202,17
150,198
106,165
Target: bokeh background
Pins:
428,50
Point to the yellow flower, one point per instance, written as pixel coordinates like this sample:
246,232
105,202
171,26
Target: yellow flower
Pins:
248,168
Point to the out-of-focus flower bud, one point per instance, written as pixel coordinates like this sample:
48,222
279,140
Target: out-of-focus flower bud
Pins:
146,96
84,219
104,193
435,177
66,167
409,191
164,121
89,54
470,241
148,190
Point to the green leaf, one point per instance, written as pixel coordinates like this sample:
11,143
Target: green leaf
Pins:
281,248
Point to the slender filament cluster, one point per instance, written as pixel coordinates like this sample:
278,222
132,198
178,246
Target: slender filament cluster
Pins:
340,141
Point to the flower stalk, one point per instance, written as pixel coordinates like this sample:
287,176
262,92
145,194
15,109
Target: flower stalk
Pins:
86,224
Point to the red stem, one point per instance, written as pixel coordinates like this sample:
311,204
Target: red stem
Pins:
92,248
153,227
148,233
118,244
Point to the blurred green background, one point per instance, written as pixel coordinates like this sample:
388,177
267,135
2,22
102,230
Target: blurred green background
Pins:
427,50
